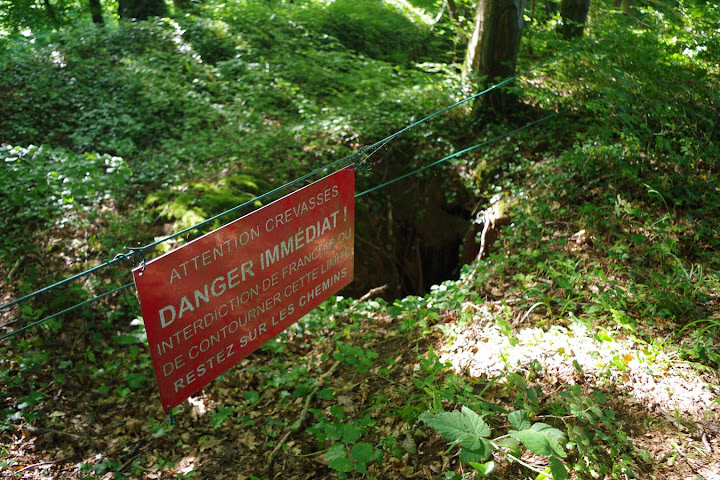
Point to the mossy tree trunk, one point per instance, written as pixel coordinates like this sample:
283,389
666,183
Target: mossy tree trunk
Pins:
493,48
573,14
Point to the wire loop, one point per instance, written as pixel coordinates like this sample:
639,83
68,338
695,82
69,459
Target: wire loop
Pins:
142,256
359,163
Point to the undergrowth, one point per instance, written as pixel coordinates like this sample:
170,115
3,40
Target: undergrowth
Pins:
122,134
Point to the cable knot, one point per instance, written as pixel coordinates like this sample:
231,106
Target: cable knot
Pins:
142,255
358,163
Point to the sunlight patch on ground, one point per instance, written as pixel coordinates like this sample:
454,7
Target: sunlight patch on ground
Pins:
576,355
199,406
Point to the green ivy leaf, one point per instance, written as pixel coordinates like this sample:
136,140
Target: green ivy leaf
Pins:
252,396
127,339
135,380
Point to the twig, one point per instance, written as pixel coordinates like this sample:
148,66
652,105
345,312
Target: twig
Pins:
133,455
277,448
319,383
44,430
303,414
704,439
660,4
372,292
14,269
34,465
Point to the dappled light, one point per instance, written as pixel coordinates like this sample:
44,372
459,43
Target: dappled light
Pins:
516,278
650,375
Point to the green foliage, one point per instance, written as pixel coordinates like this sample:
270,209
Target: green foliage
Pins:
16,16
90,89
112,132
192,203
217,417
41,183
376,29
345,454
212,39
465,428
359,358
52,189
703,334
468,430
356,459
597,434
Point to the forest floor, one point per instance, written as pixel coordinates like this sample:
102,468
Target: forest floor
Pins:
339,395
665,408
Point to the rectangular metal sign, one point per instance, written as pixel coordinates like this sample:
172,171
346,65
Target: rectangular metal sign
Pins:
212,302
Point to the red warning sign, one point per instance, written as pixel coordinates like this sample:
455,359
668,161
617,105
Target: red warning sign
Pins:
214,301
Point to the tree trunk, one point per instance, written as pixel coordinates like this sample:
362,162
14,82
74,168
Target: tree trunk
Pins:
141,9
51,13
452,10
472,58
573,14
551,7
494,47
181,4
96,12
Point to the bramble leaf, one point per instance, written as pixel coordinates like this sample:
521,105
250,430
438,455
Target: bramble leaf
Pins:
362,454
474,422
519,419
557,468
541,439
456,426
475,449
449,424
337,456
483,469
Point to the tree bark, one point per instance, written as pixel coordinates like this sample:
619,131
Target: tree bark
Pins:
472,57
574,15
494,47
141,9
96,12
452,10
51,13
